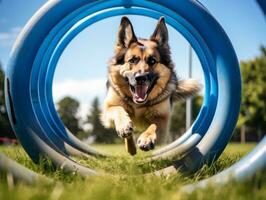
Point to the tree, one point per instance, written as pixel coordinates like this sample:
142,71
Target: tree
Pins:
196,105
103,135
5,127
68,110
177,121
253,105
178,116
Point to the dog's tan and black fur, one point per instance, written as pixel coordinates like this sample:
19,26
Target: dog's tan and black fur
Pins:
142,85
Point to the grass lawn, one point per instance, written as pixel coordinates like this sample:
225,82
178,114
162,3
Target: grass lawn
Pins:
122,182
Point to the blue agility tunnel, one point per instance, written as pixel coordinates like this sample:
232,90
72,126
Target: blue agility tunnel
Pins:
36,52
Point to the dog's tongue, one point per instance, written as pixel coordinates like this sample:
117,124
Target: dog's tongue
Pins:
141,92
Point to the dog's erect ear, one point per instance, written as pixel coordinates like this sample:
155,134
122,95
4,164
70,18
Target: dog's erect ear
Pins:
160,35
126,33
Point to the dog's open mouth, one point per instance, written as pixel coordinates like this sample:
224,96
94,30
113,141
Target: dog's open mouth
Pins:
140,93
141,86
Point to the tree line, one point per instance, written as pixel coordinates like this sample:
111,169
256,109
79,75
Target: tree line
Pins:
5,127
68,108
251,125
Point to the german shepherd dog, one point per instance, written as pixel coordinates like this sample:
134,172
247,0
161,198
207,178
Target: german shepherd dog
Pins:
142,86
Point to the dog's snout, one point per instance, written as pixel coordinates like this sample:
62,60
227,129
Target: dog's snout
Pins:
142,78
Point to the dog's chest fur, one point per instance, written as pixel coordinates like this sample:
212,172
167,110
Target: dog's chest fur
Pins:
144,116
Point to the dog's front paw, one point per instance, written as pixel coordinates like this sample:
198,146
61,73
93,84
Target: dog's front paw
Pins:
146,143
125,130
146,140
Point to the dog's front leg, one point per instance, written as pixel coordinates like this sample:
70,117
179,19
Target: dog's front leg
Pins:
147,139
155,133
119,117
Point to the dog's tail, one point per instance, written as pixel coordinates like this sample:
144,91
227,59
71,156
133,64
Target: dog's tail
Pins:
185,89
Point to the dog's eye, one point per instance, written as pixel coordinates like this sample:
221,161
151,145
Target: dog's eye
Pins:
133,60
151,61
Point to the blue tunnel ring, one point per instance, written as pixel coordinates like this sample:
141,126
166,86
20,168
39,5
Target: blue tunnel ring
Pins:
41,135
60,46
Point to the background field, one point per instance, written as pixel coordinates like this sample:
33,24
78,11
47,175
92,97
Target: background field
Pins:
123,183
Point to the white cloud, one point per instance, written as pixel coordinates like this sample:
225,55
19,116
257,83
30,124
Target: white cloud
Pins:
8,37
79,88
15,30
84,110
82,90
4,36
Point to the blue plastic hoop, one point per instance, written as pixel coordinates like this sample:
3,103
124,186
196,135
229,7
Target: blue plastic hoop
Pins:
42,41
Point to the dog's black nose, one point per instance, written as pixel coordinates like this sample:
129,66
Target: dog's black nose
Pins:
142,77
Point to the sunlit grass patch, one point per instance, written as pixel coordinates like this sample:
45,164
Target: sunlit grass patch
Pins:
122,178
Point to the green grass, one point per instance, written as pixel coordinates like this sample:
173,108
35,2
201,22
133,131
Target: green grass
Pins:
123,182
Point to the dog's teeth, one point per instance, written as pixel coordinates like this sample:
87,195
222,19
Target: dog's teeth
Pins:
139,99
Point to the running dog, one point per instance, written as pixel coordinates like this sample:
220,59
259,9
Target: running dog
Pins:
142,85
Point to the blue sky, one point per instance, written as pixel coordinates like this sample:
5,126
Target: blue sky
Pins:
81,71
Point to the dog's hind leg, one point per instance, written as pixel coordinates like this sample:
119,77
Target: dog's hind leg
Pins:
130,145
